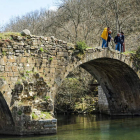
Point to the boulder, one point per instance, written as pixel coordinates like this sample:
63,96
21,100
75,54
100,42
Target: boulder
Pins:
25,32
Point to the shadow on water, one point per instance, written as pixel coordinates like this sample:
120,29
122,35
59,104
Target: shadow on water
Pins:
87,127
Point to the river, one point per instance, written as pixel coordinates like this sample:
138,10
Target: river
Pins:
91,127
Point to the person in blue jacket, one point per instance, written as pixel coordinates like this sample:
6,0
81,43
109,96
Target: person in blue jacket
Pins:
117,41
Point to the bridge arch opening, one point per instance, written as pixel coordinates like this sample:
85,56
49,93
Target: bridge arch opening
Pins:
120,84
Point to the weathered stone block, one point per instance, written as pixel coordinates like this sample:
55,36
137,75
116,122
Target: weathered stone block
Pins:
8,68
11,59
16,74
62,54
3,74
3,60
14,79
10,74
14,68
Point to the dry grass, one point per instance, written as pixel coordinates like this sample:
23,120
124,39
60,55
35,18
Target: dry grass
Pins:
7,35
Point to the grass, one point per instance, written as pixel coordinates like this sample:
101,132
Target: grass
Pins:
34,116
129,52
90,48
47,115
7,35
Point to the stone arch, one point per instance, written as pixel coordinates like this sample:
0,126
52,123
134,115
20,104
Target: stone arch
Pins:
120,84
117,78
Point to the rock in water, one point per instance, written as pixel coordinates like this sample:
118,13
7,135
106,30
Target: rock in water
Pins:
25,32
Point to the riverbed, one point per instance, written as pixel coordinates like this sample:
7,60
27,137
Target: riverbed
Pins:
91,127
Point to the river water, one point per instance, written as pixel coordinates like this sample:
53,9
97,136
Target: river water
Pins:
91,127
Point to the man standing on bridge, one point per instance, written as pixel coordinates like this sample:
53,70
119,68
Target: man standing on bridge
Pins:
117,41
104,37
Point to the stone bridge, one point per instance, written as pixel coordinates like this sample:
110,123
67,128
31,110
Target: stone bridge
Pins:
33,67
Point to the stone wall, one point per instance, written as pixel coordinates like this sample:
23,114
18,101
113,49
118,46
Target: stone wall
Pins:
102,101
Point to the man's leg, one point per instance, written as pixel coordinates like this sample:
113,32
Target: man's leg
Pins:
119,47
116,47
106,45
103,43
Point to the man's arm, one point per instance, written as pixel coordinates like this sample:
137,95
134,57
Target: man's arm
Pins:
115,39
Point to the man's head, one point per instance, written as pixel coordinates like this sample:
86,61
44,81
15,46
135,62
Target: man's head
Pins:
108,28
118,34
109,31
122,33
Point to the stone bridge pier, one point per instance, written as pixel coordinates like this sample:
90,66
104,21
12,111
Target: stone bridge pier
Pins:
33,67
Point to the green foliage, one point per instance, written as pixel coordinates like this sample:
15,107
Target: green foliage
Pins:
19,112
50,58
41,49
81,46
75,94
46,98
28,72
34,116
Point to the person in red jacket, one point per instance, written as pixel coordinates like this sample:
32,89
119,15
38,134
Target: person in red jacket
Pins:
104,37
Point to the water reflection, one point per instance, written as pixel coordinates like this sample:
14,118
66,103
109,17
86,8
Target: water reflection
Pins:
91,127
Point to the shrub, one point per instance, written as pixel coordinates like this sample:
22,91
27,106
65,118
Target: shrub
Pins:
81,46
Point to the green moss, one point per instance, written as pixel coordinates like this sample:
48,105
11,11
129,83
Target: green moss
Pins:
46,98
28,71
47,115
50,58
41,49
129,52
4,53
